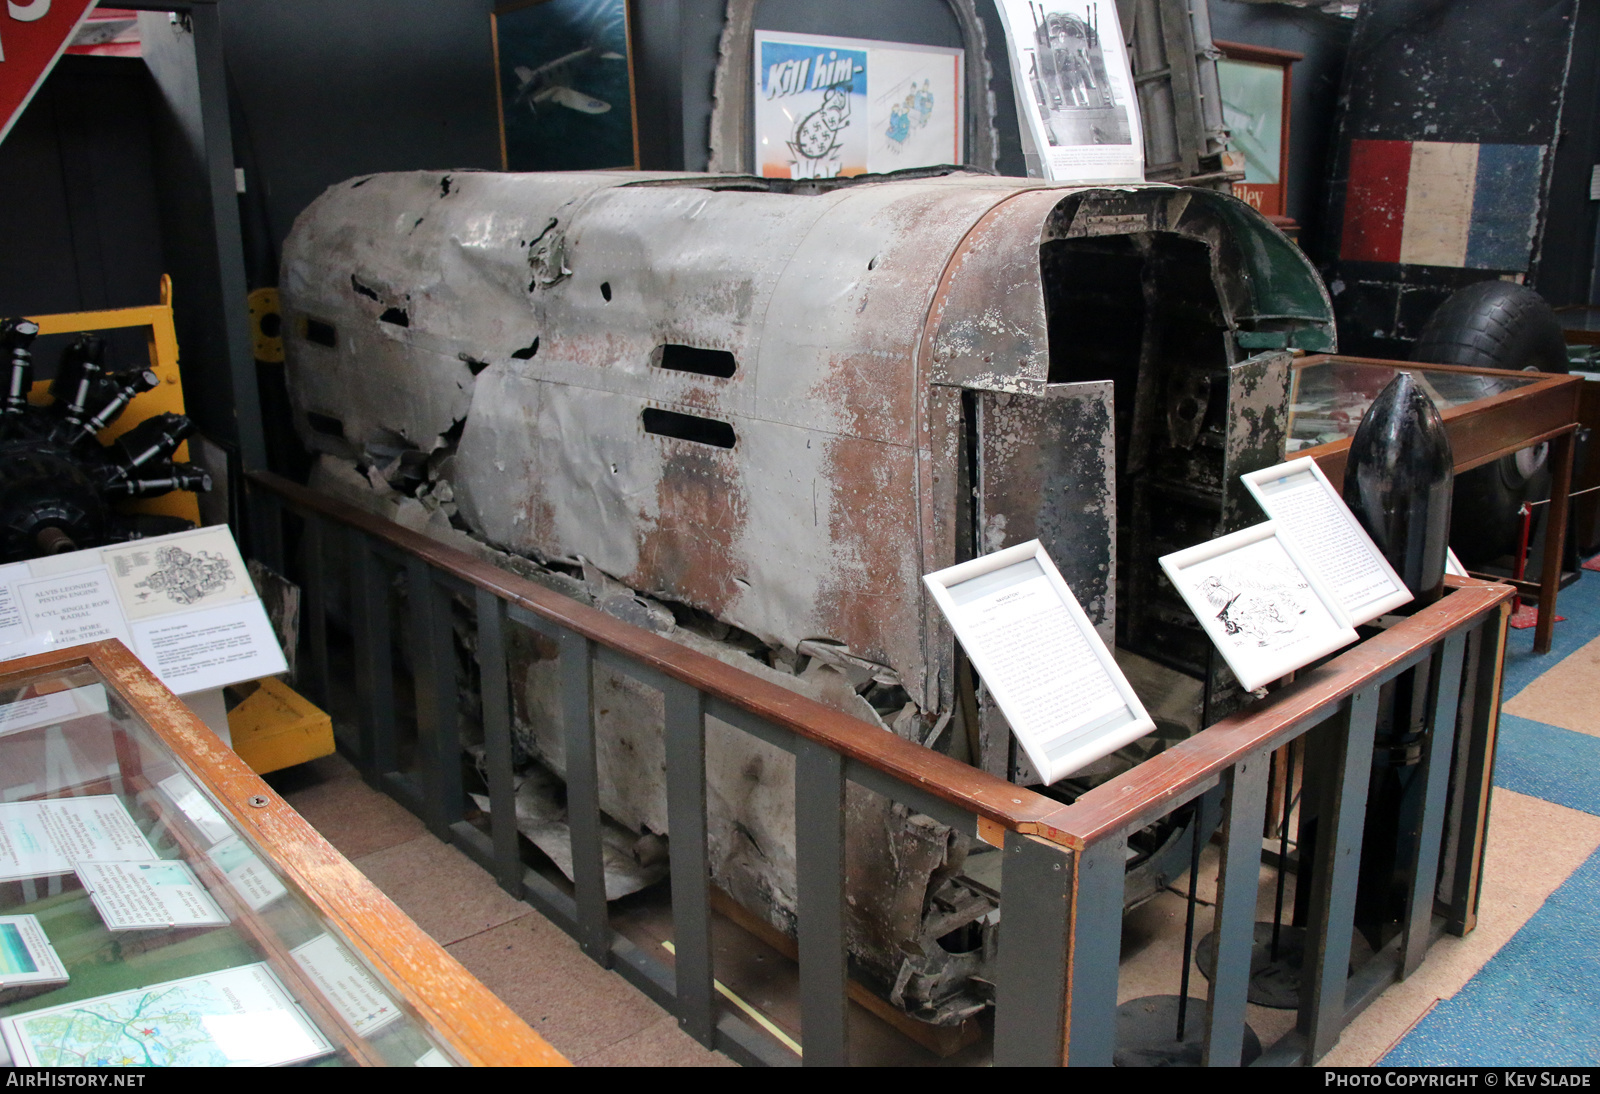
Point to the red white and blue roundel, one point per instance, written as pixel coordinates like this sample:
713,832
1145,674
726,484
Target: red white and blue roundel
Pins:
1440,203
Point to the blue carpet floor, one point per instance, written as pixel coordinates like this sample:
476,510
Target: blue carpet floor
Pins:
1537,1001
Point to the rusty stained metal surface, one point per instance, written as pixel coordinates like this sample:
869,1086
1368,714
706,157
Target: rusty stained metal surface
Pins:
502,336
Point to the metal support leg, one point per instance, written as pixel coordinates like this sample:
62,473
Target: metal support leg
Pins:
691,873
497,740
1325,974
1031,969
1438,748
583,796
1238,878
819,828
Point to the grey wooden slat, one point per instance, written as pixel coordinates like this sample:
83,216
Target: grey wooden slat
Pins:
535,622
621,662
691,872
434,680
1031,967
1438,751
266,536
819,839
1238,876
760,728
374,657
914,796
314,670
1094,949
496,691
583,795
1338,858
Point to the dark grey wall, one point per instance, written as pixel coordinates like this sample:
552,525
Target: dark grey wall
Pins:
328,89
1324,39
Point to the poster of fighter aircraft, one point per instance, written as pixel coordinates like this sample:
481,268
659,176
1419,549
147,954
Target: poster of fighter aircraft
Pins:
565,85
1075,103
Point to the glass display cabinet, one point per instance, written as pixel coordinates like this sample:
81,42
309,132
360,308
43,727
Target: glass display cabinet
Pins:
160,905
1488,414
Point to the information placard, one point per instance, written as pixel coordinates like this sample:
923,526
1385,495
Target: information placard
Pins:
1259,603
183,603
42,838
1298,498
1067,701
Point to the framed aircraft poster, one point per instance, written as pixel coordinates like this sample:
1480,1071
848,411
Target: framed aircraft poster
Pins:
564,85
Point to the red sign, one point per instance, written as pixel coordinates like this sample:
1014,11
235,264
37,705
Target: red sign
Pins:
33,35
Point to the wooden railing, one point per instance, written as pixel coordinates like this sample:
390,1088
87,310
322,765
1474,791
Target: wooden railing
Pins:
1062,874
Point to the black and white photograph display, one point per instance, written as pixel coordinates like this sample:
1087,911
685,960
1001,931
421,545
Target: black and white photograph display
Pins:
1298,498
1079,117
1260,603
1050,673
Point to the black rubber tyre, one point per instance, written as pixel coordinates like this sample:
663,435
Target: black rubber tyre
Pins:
1501,325
1494,324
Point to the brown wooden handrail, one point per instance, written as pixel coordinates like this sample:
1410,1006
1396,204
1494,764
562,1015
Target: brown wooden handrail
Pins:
1133,798
1142,795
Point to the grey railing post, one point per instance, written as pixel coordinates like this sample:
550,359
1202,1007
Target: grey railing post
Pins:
1094,951
266,535
374,658
819,852
1030,1014
1347,759
691,874
1480,723
433,656
583,795
314,675
1238,879
497,740
1437,751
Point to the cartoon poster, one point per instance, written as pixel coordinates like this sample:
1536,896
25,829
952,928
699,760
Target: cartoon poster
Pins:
830,107
1075,102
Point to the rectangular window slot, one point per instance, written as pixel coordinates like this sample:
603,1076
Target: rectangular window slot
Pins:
688,427
324,424
321,333
701,362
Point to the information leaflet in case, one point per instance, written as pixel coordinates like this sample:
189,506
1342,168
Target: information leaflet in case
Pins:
241,1017
26,956
148,896
42,838
1049,671
1308,511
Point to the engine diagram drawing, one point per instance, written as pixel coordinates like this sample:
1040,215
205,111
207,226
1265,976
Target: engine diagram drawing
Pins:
186,578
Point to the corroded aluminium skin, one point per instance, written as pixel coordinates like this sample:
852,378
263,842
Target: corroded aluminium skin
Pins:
896,406
532,307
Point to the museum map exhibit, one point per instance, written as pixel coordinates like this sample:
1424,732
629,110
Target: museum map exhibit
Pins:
762,532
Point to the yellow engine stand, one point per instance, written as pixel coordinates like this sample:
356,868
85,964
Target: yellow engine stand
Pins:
274,726
166,397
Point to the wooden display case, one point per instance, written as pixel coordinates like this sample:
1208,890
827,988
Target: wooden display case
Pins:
359,980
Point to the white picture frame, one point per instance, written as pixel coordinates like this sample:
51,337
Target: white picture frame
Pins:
1260,603
827,107
1298,498
1077,107
1050,673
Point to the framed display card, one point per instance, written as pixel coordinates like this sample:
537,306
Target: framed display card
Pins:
1260,603
1067,701
1299,499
